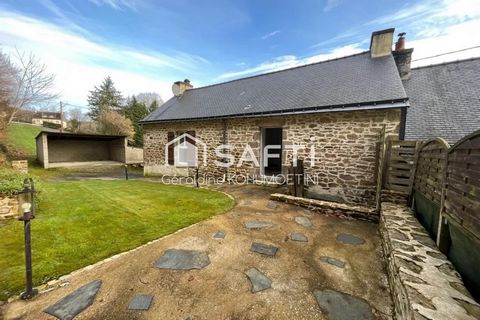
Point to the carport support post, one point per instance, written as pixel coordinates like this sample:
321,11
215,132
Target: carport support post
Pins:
196,177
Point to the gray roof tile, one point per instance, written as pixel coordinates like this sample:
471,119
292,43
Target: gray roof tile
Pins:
351,80
444,101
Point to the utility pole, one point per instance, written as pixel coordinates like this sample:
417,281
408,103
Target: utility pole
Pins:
61,116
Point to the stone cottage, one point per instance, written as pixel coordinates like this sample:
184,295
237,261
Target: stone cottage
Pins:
333,109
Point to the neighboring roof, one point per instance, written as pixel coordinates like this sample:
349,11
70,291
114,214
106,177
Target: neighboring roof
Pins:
444,101
349,83
48,115
69,135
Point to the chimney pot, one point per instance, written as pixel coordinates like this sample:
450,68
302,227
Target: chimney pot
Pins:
400,44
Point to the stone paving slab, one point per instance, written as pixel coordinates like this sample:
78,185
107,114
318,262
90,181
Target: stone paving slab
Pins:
272,205
140,302
298,237
219,235
264,249
333,261
258,224
77,301
259,280
341,306
350,239
304,221
177,259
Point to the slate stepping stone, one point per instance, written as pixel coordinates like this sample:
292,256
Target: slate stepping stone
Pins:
298,237
333,261
177,259
258,224
140,302
264,249
219,235
341,306
349,239
259,280
304,221
247,202
272,205
77,301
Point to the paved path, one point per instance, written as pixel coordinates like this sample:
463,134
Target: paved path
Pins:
313,267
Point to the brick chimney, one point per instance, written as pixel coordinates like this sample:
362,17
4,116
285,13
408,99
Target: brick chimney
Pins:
179,87
403,57
381,43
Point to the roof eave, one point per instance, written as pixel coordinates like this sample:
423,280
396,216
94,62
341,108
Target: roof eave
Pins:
378,105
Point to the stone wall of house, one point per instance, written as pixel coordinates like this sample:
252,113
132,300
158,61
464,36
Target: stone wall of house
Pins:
344,144
423,283
8,206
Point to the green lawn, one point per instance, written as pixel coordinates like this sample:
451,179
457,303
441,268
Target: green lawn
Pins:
81,222
22,137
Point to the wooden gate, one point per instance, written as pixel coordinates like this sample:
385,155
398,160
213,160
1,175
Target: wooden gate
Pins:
400,165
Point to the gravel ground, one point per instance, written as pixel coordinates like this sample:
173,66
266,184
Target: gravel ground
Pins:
222,290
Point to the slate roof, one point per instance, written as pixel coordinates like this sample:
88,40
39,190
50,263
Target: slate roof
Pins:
349,83
444,101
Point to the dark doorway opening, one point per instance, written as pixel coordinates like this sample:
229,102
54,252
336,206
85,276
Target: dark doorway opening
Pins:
272,137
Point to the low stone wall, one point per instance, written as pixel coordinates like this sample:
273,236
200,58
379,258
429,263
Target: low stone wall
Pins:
397,197
423,283
20,165
340,210
8,206
134,155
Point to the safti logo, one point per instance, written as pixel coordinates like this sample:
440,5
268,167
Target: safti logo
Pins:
185,151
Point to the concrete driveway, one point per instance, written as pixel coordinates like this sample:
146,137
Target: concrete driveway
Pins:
340,256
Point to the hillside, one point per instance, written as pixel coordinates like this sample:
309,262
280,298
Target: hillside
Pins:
21,139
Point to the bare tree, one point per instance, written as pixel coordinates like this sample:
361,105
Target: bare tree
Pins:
7,81
149,97
113,123
33,84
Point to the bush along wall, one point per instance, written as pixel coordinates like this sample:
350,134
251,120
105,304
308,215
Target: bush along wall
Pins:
11,182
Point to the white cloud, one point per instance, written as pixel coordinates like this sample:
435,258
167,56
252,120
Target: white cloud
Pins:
331,4
290,61
118,4
454,38
436,27
270,34
80,62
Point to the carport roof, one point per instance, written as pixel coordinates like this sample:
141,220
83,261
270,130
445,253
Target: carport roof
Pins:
71,135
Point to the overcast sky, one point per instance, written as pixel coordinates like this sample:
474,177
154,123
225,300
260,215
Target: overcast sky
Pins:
145,45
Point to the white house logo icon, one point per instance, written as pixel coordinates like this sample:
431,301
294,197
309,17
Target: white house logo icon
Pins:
185,151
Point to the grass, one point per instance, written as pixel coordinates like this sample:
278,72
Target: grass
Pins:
81,222
22,137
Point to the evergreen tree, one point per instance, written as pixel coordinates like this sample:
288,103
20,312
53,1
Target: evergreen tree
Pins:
136,111
104,98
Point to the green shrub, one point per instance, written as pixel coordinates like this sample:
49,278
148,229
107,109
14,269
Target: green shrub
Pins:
11,181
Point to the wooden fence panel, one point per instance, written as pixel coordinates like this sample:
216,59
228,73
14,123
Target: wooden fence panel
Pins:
459,233
462,188
400,165
430,172
428,183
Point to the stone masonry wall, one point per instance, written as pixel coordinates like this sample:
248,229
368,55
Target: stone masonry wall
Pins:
8,206
344,143
423,283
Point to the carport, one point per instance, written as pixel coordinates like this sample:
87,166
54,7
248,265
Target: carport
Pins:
58,149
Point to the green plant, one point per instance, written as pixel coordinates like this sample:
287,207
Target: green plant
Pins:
11,181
